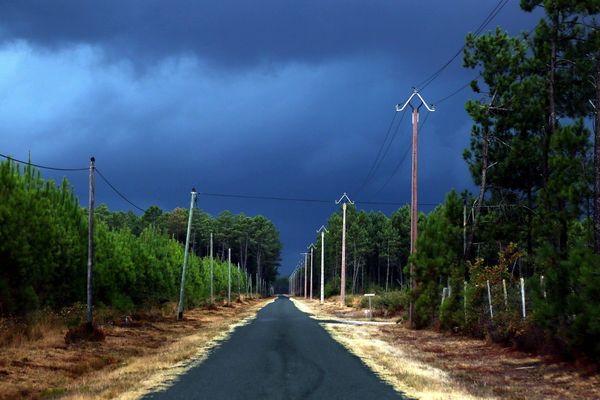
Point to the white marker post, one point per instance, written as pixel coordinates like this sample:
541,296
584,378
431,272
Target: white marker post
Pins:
369,296
490,300
523,297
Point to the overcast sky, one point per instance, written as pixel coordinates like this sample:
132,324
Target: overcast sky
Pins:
276,98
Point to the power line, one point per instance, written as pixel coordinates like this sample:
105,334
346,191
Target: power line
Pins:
378,154
117,191
299,199
426,82
397,167
43,166
454,93
380,157
258,197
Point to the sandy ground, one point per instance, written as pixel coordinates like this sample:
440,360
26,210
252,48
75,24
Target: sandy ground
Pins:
145,355
431,365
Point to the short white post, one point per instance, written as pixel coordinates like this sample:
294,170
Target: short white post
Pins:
505,294
369,295
490,300
465,301
543,286
523,297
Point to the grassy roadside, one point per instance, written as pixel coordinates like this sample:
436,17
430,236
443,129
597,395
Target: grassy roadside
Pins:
144,355
431,365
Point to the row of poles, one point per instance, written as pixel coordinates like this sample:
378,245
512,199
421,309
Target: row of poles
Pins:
301,271
261,284
294,287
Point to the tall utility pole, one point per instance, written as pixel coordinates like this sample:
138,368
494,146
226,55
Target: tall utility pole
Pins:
90,260
229,276
322,230
344,200
211,269
312,248
413,201
185,256
239,287
305,274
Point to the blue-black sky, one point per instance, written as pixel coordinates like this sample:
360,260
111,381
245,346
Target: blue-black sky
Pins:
284,98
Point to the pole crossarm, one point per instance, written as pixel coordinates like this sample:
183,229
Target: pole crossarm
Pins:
342,198
322,229
408,102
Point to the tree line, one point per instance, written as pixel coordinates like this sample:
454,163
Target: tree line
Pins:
137,260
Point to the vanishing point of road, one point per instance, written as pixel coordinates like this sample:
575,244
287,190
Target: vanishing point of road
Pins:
282,354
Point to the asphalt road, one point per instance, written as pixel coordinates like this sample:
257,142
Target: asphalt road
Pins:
282,354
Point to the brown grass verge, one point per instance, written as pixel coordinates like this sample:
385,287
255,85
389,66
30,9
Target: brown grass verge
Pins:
431,365
143,356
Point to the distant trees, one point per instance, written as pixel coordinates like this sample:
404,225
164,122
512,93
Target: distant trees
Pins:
138,260
376,250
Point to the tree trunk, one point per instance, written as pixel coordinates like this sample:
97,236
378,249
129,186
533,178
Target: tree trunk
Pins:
245,258
551,126
482,188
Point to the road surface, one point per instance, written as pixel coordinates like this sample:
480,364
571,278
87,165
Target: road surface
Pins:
282,354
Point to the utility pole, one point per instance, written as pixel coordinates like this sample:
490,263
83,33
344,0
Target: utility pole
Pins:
322,230
465,229
343,272
185,256
414,191
305,274
211,269
311,247
239,287
229,277
90,260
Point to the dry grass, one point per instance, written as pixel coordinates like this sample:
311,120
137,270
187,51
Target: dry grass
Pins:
145,355
432,365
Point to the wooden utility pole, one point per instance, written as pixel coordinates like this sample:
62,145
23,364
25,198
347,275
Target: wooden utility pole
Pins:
90,260
185,256
414,188
211,269
229,276
322,230
239,284
343,271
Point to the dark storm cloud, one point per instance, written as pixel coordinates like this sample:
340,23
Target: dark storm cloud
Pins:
243,33
275,97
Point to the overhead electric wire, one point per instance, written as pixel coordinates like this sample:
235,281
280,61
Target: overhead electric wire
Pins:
299,199
380,157
373,167
454,93
401,161
43,166
426,82
259,197
117,191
